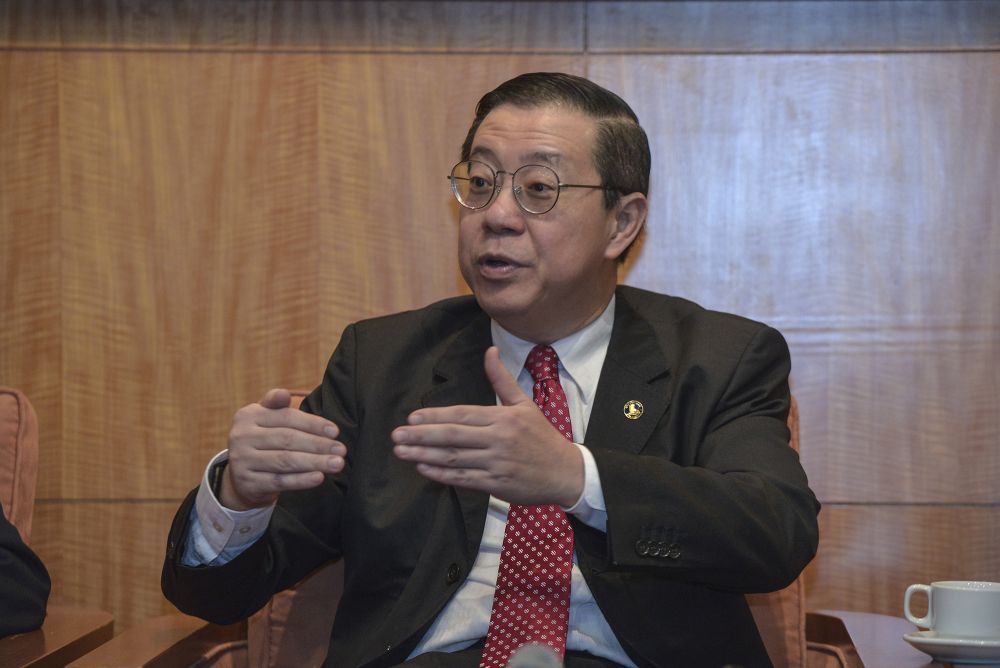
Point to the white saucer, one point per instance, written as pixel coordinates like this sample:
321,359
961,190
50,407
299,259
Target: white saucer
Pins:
953,649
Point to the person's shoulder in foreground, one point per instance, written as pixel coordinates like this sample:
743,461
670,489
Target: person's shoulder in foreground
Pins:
24,583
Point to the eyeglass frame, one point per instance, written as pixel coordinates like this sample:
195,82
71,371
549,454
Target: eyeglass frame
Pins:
498,186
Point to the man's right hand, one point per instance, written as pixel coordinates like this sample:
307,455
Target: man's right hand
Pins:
274,448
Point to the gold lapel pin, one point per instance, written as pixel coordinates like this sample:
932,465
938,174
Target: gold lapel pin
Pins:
633,409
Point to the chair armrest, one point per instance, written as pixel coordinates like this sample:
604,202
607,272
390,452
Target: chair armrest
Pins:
66,634
169,640
828,642
877,639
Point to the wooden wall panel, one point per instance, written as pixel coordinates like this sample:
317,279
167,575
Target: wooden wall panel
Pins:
30,314
105,555
729,26
852,202
790,188
693,27
427,27
894,423
385,197
189,257
871,553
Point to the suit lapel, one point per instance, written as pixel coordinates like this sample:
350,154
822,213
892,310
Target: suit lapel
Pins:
459,378
635,370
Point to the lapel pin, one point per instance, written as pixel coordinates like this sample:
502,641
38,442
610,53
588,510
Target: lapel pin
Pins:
633,409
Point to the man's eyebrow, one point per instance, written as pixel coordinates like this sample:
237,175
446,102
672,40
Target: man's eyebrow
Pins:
543,157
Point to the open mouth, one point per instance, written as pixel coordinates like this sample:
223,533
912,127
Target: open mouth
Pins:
496,266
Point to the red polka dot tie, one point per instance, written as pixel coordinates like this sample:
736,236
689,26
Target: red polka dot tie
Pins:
531,602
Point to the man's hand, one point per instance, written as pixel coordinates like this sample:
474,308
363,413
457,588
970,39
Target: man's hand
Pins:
273,448
511,451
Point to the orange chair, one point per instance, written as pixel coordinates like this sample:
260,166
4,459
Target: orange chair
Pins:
67,633
293,629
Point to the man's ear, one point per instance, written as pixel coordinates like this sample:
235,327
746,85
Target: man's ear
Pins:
629,217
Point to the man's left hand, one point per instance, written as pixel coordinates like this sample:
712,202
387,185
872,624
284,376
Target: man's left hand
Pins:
510,451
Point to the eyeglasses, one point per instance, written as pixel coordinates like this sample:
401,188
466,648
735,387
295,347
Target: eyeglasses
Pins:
536,187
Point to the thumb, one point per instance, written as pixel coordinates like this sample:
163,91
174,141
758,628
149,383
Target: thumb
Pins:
277,398
503,383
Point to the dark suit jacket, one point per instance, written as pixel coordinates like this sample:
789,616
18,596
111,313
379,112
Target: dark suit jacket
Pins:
705,499
24,583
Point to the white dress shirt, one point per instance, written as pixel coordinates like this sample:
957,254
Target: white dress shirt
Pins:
218,534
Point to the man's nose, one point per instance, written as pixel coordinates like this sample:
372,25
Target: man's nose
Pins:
504,214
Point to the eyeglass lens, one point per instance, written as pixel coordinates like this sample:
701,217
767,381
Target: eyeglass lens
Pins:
536,187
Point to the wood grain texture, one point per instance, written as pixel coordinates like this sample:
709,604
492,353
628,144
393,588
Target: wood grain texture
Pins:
894,425
869,554
65,634
190,215
798,26
790,189
105,555
309,26
30,299
388,238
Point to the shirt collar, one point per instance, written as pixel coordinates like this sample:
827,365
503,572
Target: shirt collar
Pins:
581,354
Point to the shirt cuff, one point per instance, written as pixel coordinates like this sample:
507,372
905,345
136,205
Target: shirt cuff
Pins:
590,508
223,528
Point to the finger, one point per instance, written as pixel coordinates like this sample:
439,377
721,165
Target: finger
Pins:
504,384
471,416
285,462
293,481
299,441
442,435
276,398
296,419
446,457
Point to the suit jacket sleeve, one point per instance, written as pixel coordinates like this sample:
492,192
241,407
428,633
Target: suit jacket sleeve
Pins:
24,583
716,496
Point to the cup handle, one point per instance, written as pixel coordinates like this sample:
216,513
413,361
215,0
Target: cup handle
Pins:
919,621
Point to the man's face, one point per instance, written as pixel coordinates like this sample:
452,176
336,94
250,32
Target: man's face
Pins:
541,276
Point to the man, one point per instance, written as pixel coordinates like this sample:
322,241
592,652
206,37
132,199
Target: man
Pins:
24,583
654,488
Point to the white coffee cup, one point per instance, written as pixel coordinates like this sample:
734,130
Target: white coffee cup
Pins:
962,608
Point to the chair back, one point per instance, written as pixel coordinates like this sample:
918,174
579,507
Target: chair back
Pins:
18,459
781,615
293,629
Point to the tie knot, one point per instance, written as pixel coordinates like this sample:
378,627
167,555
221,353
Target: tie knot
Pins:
542,363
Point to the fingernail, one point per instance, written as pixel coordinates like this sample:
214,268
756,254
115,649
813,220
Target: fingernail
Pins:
335,464
331,431
400,435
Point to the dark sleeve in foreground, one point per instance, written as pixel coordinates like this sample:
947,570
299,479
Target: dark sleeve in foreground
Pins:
24,583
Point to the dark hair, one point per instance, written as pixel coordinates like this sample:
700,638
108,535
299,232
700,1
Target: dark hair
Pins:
621,149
